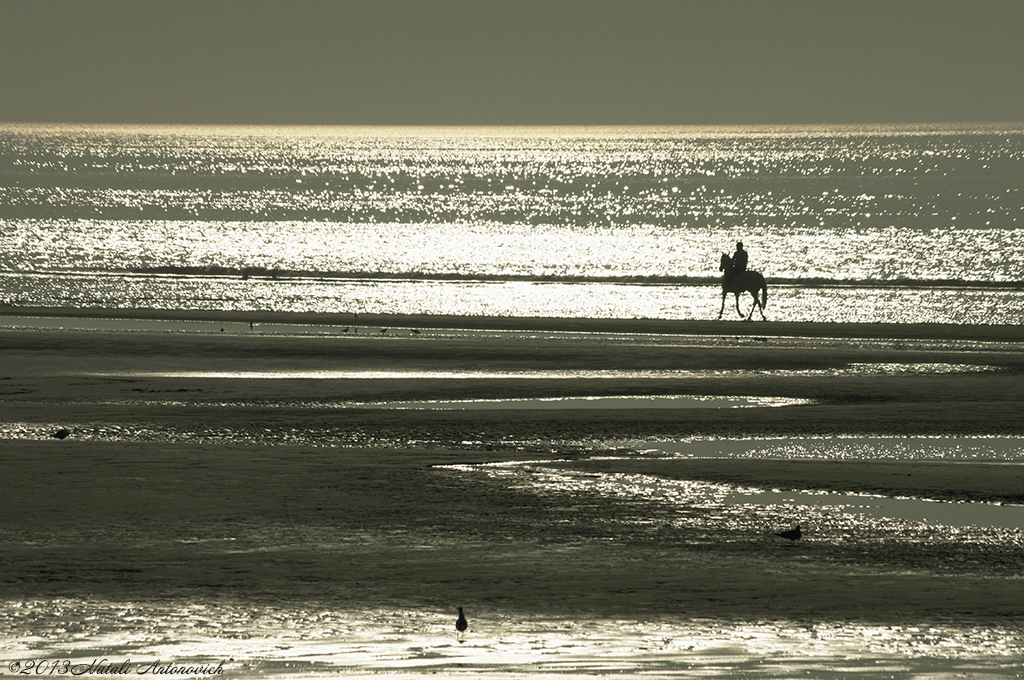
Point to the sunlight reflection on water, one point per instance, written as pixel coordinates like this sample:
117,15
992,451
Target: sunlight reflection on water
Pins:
284,641
809,504
845,448
565,300
370,374
935,513
643,402
181,217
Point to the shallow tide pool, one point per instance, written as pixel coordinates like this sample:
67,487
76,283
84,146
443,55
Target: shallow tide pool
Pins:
642,402
843,448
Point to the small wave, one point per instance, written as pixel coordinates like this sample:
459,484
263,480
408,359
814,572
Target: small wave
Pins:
654,280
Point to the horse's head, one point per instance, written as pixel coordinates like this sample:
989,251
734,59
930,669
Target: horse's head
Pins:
725,264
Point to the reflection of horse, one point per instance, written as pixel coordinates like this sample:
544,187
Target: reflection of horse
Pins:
738,282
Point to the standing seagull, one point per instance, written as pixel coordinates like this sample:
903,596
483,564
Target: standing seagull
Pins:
461,624
792,534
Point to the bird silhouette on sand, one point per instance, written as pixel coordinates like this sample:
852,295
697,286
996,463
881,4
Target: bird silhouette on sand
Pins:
793,534
461,624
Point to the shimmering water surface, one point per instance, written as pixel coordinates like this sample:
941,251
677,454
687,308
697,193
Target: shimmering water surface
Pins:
668,402
848,448
318,641
262,637
903,224
265,638
936,513
811,505
911,223
542,374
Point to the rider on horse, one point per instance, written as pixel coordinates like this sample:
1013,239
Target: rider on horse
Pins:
736,279
739,260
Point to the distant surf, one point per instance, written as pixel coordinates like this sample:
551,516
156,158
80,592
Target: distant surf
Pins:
908,224
263,272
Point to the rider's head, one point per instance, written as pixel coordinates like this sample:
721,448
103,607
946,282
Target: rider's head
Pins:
739,245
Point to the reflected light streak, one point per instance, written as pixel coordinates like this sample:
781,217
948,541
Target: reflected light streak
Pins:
847,448
644,402
282,640
369,374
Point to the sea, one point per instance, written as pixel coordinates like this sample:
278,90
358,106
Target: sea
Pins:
903,224
893,223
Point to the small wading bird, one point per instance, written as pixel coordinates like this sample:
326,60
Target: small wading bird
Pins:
461,624
792,534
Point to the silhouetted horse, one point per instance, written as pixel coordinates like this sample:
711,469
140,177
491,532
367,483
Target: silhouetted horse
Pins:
749,281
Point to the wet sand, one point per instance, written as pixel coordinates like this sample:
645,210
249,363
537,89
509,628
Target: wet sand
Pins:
366,528
178,483
897,331
93,380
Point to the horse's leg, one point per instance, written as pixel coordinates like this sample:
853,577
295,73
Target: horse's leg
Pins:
723,305
757,303
738,310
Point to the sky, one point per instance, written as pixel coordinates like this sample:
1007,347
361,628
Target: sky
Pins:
512,62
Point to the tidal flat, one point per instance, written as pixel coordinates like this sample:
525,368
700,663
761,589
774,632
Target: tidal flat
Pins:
213,499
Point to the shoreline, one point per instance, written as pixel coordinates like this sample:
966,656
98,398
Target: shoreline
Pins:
920,331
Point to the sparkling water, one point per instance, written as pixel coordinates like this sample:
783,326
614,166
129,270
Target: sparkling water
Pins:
848,224
908,223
